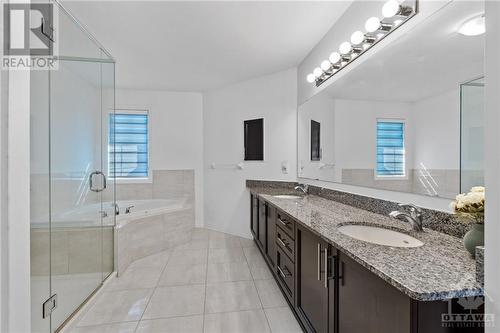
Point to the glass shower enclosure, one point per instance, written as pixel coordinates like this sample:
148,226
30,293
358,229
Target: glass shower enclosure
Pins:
472,134
72,195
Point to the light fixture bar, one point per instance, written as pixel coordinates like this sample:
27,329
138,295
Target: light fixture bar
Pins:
395,13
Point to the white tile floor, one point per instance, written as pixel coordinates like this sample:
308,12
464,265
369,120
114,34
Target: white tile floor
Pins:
214,283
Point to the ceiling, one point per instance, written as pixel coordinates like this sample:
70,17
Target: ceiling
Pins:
430,59
201,46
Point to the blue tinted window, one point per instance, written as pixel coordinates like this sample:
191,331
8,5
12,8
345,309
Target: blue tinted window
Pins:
128,145
390,148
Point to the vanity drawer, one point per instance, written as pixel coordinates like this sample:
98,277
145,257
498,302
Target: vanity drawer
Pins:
286,243
286,223
285,270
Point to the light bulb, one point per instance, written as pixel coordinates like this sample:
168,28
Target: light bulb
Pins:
311,78
390,8
372,24
345,48
473,27
317,72
334,57
325,65
357,37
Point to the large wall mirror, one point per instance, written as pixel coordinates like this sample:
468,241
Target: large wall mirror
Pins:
409,118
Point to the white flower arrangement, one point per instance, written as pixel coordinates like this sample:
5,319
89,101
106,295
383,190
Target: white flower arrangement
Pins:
470,206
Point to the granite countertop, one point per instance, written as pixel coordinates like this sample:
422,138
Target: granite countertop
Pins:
440,269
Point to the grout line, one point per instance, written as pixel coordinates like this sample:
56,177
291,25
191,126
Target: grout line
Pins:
154,289
206,281
257,291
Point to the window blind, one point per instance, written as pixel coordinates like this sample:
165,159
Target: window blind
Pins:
128,147
390,148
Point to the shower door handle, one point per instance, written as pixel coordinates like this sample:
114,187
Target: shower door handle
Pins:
91,181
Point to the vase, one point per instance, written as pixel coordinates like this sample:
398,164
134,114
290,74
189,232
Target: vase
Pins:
474,237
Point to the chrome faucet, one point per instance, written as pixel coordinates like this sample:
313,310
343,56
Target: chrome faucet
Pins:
414,216
116,207
128,208
304,188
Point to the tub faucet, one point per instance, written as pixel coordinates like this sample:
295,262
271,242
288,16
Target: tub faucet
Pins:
116,207
414,216
128,208
304,188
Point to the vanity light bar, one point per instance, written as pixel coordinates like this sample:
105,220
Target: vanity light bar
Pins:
395,13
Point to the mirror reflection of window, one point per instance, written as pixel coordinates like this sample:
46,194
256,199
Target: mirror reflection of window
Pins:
315,141
390,148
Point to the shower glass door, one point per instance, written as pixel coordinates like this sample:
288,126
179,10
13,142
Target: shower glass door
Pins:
72,196
472,134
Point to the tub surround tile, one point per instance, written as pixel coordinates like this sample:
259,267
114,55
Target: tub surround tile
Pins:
117,306
252,321
189,324
231,296
440,269
176,301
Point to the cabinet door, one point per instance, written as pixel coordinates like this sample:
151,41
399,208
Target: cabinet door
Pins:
312,280
271,235
254,216
368,304
262,229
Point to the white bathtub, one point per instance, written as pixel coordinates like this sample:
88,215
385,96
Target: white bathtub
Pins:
90,215
145,208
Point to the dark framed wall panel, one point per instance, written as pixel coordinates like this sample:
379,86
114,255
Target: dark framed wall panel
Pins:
254,139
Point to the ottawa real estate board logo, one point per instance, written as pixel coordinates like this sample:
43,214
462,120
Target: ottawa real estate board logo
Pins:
29,36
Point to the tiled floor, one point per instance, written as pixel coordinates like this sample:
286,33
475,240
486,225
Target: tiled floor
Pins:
214,283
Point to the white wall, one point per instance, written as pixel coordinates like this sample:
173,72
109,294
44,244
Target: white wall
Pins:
356,131
176,133
492,163
319,109
437,135
272,97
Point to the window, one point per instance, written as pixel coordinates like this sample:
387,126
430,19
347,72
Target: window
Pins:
129,146
390,148
254,139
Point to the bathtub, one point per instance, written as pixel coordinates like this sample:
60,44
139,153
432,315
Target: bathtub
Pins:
150,227
90,215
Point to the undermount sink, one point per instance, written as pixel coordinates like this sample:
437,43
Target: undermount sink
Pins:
379,235
287,196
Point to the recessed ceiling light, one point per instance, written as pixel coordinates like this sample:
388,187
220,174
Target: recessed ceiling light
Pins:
473,27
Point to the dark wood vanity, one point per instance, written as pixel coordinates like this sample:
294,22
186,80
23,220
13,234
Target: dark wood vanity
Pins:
330,292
